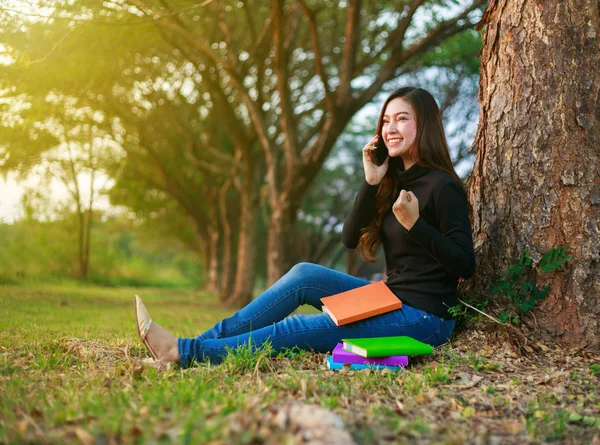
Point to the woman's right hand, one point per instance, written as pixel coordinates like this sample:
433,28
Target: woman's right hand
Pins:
373,173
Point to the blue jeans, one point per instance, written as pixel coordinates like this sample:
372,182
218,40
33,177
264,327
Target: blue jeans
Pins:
264,319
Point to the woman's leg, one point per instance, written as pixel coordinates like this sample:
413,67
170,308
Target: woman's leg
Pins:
305,283
320,334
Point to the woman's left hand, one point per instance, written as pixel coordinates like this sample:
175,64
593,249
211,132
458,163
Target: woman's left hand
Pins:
406,209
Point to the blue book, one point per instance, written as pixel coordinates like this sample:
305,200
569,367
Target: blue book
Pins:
358,366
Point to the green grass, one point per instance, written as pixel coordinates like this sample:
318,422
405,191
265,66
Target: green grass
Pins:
72,370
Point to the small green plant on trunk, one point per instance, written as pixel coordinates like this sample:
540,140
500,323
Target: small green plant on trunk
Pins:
517,283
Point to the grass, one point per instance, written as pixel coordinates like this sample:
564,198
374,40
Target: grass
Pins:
73,371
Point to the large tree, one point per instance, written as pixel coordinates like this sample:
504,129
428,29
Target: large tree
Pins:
536,179
68,144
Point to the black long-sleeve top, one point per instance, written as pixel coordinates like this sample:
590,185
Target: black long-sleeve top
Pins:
424,263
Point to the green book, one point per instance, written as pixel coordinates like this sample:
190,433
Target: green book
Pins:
386,346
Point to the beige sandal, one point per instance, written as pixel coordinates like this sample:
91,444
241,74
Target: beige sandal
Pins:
143,321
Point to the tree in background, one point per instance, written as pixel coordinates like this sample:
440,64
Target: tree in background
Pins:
71,146
283,78
536,183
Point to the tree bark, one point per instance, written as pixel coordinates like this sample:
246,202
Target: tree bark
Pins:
245,276
281,227
88,240
212,255
536,181
228,266
286,199
81,237
351,262
212,266
88,225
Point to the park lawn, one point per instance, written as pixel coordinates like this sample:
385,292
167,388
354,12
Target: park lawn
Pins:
73,371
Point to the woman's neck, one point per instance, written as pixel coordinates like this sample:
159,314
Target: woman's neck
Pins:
408,163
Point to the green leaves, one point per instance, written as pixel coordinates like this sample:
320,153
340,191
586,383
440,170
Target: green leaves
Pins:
554,259
517,282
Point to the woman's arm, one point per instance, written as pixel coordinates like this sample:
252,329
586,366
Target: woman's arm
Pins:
360,215
452,245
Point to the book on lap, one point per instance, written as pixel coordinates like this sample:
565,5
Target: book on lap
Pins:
358,366
360,303
386,346
339,355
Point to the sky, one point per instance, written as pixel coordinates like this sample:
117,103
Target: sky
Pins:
11,192
10,197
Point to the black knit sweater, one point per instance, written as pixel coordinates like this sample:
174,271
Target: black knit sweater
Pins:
424,263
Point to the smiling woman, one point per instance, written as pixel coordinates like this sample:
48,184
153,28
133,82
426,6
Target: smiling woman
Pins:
413,204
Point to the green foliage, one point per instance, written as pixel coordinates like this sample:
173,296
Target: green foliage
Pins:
463,314
549,425
474,361
506,317
34,250
437,375
248,357
517,285
122,255
595,369
294,353
481,364
554,259
458,53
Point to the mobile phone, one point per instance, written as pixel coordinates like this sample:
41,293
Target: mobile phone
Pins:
380,153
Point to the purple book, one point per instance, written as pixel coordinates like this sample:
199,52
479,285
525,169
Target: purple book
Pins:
341,356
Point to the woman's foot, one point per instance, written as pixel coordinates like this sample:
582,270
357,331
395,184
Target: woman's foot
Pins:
160,342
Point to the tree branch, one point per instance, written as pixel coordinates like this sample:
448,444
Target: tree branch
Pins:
281,70
443,30
352,36
399,56
319,68
292,28
311,132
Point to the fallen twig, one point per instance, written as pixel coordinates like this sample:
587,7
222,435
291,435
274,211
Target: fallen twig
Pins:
514,330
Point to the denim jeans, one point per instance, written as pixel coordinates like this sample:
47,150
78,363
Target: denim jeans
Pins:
265,319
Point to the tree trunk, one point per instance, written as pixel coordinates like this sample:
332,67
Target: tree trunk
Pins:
281,227
88,240
536,180
352,259
81,239
212,265
245,276
88,227
202,247
228,267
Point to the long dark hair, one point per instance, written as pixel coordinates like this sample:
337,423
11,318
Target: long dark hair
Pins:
429,150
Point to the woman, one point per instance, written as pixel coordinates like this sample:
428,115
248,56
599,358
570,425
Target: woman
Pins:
413,204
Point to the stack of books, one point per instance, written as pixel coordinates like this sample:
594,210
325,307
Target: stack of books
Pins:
376,353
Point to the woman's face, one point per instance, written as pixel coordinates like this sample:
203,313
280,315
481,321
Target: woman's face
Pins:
399,128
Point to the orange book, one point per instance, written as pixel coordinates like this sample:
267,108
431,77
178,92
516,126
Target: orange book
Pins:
360,303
